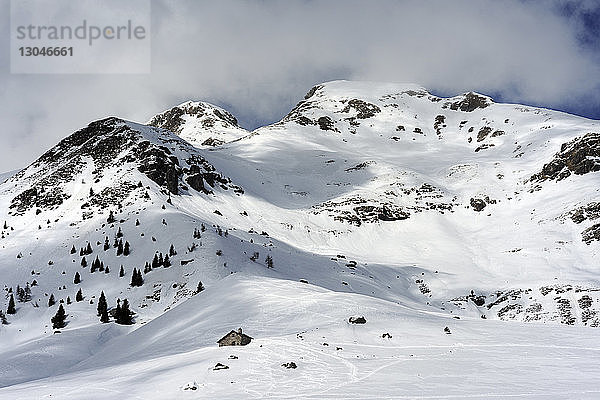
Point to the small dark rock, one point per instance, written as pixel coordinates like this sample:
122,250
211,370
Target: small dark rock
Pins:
477,204
220,366
357,320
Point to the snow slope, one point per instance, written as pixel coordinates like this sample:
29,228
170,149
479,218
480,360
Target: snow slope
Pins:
376,200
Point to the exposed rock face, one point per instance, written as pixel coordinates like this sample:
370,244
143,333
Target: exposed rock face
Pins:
363,109
590,234
201,124
439,124
159,166
590,211
173,121
170,120
477,204
483,133
312,91
326,123
296,115
212,142
383,213
101,141
579,156
470,102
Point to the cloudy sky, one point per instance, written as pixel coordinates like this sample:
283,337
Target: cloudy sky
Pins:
258,58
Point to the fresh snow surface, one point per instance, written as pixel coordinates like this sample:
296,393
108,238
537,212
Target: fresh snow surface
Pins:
361,218
5,175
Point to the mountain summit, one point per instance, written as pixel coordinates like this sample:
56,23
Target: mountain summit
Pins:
201,124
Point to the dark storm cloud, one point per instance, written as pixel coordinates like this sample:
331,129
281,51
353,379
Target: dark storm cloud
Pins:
257,58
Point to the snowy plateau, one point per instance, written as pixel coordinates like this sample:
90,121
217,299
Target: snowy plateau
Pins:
379,242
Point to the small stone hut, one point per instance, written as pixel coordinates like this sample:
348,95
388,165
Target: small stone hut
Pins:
234,338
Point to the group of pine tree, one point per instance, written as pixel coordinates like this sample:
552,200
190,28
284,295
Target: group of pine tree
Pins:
121,313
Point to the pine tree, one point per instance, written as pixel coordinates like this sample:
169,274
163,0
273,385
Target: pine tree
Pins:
5,225
84,263
58,321
126,249
11,306
73,250
102,305
133,278
119,233
147,267
172,251
155,262
68,300
269,261
124,316
3,318
95,265
137,222
166,261
79,296
202,228
136,278
121,272
51,301
88,249
27,290
77,278
120,247
118,311
91,192
101,268
106,244
200,287
160,259
104,316
111,217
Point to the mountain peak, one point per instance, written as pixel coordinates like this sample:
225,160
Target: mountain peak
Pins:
199,123
114,161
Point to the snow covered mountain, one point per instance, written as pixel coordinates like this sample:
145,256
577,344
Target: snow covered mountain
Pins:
417,212
201,124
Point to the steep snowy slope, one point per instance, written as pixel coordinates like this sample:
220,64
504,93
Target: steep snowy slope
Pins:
376,200
503,194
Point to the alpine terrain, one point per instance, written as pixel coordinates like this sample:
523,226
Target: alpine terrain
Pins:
377,242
